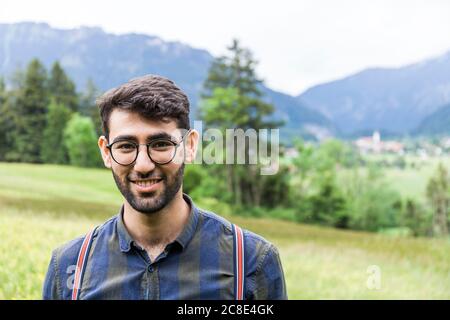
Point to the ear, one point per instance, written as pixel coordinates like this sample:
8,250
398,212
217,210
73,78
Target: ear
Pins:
191,146
106,154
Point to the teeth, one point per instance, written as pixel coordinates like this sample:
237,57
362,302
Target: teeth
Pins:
146,183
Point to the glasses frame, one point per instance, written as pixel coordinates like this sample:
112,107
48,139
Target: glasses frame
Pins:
175,144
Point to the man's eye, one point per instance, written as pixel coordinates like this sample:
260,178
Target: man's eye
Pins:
126,146
159,145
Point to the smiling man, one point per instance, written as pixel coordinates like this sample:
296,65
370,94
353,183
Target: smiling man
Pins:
160,245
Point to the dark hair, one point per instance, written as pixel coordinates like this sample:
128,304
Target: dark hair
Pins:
153,97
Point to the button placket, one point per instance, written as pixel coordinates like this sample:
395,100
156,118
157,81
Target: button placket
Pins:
153,283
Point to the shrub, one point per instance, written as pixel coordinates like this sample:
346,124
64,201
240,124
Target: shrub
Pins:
81,142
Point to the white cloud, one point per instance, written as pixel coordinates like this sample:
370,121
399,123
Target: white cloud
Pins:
298,43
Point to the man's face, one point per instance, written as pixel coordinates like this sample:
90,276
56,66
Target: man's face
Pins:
147,186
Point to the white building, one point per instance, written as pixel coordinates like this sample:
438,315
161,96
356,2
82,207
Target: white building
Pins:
374,144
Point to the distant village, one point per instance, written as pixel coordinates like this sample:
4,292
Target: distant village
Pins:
423,148
374,144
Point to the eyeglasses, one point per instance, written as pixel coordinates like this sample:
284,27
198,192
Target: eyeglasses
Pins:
160,151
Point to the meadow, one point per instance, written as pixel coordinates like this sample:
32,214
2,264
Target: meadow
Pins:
411,181
43,206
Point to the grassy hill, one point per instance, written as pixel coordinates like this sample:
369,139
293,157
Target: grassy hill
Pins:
43,206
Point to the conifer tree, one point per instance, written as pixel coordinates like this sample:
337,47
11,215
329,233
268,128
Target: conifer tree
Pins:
232,98
439,198
88,107
6,123
31,103
53,149
62,88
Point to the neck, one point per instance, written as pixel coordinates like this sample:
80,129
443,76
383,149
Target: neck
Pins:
160,228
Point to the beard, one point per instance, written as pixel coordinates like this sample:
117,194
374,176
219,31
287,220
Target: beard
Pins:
151,202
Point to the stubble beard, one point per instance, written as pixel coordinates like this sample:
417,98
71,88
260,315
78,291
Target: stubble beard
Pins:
151,202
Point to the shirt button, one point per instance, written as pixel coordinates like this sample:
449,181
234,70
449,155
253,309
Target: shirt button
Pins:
150,269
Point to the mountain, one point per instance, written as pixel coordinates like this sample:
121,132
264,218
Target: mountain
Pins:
110,60
106,58
394,100
437,123
299,120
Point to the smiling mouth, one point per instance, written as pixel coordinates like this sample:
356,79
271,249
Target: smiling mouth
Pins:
146,183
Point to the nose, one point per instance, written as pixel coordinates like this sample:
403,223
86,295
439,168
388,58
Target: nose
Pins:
143,162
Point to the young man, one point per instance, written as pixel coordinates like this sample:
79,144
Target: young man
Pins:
159,245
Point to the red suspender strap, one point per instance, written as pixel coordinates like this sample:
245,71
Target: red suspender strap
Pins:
81,264
239,263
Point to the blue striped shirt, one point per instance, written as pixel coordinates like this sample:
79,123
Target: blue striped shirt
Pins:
197,265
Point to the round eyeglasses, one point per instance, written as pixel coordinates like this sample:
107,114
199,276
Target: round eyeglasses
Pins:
160,151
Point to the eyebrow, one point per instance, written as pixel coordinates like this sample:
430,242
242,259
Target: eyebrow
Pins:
158,135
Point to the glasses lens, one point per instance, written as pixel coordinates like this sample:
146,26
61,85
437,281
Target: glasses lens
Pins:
124,152
162,151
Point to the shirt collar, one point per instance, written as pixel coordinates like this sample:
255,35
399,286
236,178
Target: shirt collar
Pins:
125,240
189,229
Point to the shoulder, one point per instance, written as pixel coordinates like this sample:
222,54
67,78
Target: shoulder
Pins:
256,246
62,265
263,270
59,279
66,255
211,219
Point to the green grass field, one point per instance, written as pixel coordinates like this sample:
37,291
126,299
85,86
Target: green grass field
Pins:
43,206
411,181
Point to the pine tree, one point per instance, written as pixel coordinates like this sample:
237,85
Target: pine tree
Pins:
88,107
6,123
62,88
53,149
231,98
439,198
9,116
237,71
2,91
31,108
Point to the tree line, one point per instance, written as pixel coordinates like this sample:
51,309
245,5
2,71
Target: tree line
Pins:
327,184
43,119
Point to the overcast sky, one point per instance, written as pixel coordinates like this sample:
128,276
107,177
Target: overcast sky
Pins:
298,43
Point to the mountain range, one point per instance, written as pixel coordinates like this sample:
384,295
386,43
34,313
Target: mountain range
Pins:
436,124
110,60
394,100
